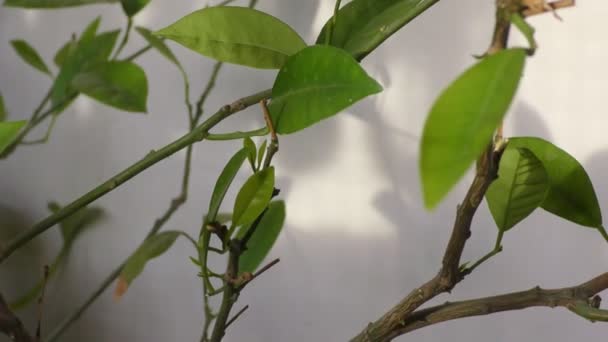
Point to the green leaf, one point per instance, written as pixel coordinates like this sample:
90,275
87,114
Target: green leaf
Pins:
9,130
64,52
72,226
317,83
252,151
463,119
153,247
119,84
263,238
520,188
236,35
253,197
3,113
158,44
131,7
571,195
91,49
362,25
223,183
261,153
52,3
30,55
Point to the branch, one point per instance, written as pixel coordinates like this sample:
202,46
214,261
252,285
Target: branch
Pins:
196,135
550,7
11,326
567,297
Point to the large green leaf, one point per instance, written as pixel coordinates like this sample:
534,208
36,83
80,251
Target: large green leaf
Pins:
253,197
9,130
3,113
158,44
91,49
223,183
52,3
131,7
316,83
153,247
29,55
236,35
520,188
362,25
263,238
463,119
119,84
571,195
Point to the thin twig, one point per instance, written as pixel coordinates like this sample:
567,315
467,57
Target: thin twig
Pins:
125,38
551,7
11,325
238,314
273,147
259,272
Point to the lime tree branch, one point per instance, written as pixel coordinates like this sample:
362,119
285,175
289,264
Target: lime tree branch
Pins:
196,135
574,298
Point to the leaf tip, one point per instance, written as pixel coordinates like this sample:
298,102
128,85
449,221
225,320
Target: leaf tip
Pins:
121,288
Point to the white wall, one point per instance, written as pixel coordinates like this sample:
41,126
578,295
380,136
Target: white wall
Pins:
357,238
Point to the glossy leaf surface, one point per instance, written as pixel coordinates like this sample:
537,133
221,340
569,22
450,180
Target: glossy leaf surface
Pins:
463,119
253,197
236,35
223,183
317,83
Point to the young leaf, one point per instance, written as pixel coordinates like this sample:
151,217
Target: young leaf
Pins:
64,52
317,83
9,130
119,84
463,119
571,195
252,150
520,188
236,35
253,197
88,52
52,3
263,238
72,226
158,44
131,7
3,113
261,153
363,25
223,183
153,247
29,55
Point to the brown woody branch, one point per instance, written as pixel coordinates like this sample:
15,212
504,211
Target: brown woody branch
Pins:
550,7
536,297
11,326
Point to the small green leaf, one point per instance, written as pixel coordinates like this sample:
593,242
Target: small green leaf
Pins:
261,153
119,84
252,150
236,35
3,113
223,183
263,238
520,188
52,3
571,195
64,52
30,55
158,44
317,83
153,247
131,7
72,226
253,197
463,119
362,25
90,50
9,130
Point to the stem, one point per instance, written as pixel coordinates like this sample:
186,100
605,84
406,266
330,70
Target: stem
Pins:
47,135
260,132
138,53
497,249
125,38
198,134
